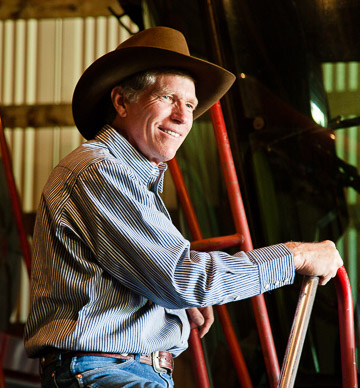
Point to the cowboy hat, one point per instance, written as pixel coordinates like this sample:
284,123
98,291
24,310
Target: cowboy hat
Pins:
152,48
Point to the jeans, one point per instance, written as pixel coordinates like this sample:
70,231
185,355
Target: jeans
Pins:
95,371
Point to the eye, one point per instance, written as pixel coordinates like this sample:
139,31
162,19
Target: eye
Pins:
166,97
190,106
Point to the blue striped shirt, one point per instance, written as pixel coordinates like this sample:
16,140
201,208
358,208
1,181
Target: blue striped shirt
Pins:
110,271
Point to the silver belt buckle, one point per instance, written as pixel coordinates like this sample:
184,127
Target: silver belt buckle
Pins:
156,363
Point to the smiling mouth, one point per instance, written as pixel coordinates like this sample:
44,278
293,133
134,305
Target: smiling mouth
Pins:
171,133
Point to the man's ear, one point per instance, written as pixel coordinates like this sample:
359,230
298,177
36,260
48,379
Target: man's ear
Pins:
118,100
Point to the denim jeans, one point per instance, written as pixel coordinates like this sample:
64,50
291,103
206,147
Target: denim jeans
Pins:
94,371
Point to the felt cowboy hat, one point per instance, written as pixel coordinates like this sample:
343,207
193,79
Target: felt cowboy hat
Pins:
152,48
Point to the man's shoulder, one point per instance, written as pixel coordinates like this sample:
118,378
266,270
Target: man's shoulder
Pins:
84,164
86,155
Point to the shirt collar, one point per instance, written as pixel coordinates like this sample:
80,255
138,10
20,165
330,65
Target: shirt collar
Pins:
120,148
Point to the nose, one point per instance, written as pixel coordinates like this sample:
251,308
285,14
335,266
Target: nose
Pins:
180,113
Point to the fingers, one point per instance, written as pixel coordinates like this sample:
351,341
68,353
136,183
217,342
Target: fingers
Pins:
196,319
208,314
324,280
334,263
201,318
316,259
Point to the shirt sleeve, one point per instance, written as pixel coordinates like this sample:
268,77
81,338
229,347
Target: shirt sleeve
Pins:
137,244
276,266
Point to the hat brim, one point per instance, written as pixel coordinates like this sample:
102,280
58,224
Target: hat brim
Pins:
212,81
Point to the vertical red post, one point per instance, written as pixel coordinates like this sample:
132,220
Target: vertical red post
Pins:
199,365
346,329
229,332
241,225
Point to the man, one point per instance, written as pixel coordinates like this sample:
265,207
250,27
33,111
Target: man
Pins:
112,276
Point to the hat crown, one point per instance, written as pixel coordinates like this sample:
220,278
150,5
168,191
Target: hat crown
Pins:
158,37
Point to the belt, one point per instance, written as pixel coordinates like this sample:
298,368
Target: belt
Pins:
162,361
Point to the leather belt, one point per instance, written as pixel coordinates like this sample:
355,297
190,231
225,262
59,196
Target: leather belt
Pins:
162,361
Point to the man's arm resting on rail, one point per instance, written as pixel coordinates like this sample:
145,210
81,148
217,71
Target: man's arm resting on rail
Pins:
312,259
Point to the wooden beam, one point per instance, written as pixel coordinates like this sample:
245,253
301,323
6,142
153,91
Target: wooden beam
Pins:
40,9
36,116
43,116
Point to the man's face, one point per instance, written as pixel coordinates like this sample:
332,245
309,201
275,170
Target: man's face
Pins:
159,121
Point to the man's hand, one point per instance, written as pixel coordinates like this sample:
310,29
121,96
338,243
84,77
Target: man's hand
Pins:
202,318
316,259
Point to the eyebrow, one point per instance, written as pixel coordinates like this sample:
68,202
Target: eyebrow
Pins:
164,90
194,101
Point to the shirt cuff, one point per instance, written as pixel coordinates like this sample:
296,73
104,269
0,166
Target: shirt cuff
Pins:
276,266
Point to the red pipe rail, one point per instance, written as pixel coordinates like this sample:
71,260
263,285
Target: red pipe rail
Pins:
241,226
199,365
342,284
229,332
242,229
346,329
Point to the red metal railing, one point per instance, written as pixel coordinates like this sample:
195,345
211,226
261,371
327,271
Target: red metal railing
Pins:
241,226
347,330
242,239
300,323
207,245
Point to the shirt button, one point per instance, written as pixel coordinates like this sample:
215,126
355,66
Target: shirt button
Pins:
267,286
277,283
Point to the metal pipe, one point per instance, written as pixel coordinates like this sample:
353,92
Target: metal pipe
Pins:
241,225
346,329
298,332
217,243
198,360
234,347
199,366
228,329
230,176
184,199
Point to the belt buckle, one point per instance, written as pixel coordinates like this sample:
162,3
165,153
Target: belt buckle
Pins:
156,363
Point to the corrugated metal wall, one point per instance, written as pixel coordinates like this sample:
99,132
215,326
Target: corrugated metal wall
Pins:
341,81
40,63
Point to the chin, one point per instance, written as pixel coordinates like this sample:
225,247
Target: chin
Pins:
168,158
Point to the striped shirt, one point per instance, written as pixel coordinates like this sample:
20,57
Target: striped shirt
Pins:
110,271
